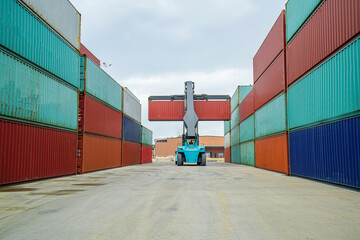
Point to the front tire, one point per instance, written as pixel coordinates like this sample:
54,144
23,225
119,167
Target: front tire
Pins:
203,159
179,159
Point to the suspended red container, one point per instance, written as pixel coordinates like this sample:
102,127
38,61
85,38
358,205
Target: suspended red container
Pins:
131,153
332,25
85,51
146,154
246,107
31,152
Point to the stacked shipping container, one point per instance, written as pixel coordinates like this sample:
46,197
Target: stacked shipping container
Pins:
146,145
227,141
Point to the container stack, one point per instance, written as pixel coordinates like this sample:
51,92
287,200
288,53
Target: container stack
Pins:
237,98
146,145
39,79
323,72
131,146
227,141
271,139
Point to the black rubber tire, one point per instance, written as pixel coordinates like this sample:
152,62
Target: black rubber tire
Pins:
179,159
203,159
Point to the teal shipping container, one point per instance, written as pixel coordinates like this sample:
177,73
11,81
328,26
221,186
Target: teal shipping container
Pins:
146,136
247,129
239,95
235,135
235,117
227,140
99,84
227,127
29,94
270,119
297,12
235,154
247,153
25,34
329,92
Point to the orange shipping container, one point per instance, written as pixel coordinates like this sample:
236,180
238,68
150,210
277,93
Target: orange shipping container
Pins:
227,155
131,153
98,153
272,153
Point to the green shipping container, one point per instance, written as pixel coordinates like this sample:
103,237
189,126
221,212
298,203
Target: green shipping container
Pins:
29,94
247,129
99,84
146,136
235,135
239,95
297,12
235,154
227,127
329,92
235,117
23,33
270,119
247,153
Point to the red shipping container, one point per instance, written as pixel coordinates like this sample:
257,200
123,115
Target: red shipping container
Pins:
131,153
96,117
146,154
246,107
227,155
273,44
31,152
85,51
332,25
272,153
174,110
271,83
97,152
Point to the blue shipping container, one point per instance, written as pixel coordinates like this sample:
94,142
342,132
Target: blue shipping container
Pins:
328,152
131,130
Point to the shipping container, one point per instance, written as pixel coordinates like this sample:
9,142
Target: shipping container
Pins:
146,154
297,12
85,51
131,153
271,83
247,106
330,27
25,34
247,153
227,140
235,117
30,94
131,130
272,153
239,95
97,153
227,126
330,92
247,129
146,136
235,154
235,135
99,84
273,44
329,152
174,110
96,117
31,152
271,118
227,155
61,15
131,105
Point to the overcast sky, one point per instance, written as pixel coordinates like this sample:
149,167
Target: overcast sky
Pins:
154,46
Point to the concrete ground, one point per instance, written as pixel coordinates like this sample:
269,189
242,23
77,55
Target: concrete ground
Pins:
163,201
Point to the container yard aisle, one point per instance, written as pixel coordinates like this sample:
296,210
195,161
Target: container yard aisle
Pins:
161,201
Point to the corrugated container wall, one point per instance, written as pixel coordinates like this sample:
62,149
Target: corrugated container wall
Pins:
247,129
235,154
235,117
131,105
273,44
247,153
41,45
29,94
31,152
314,42
329,92
99,84
146,136
146,154
227,155
227,140
227,126
61,15
328,152
85,51
239,95
131,153
131,130
297,12
247,106
235,135
212,110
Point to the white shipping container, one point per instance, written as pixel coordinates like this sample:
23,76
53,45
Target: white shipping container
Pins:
61,15
227,140
131,105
